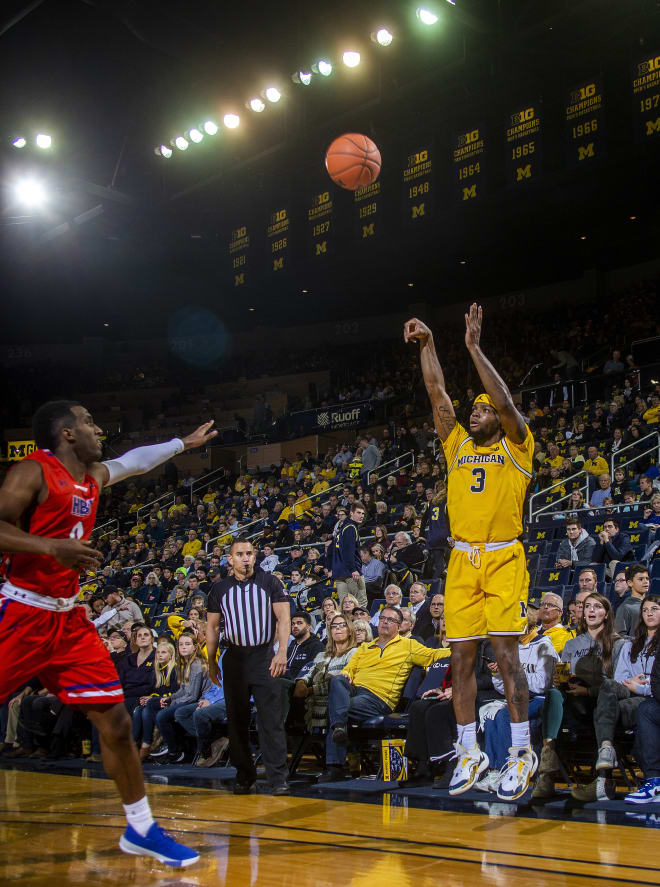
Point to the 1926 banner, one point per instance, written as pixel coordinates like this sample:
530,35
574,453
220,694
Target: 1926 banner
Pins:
524,164
584,117
278,237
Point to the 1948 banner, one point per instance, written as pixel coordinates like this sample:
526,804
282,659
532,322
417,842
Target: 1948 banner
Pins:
418,189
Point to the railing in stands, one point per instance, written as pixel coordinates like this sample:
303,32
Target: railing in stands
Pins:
167,499
210,478
406,460
556,486
654,446
110,526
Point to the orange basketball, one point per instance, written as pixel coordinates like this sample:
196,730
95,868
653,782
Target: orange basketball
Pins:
353,161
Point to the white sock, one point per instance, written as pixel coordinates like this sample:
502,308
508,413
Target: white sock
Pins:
520,734
467,734
138,816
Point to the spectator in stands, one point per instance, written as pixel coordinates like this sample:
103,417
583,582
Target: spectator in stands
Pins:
614,366
577,547
136,671
393,598
371,459
620,697
372,571
312,683
270,559
595,464
363,632
192,675
164,684
348,605
647,742
430,624
646,489
193,544
613,546
550,613
628,612
346,561
537,657
115,600
371,685
417,597
407,627
303,646
329,609
575,457
592,655
211,712
404,555
603,492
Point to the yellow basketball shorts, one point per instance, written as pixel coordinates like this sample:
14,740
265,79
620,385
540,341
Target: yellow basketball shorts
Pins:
489,598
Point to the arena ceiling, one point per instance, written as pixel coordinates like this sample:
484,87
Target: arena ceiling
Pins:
128,236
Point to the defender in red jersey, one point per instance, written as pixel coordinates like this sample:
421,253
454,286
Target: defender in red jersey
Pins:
48,506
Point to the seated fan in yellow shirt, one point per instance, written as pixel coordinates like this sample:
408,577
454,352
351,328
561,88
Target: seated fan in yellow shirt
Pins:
489,468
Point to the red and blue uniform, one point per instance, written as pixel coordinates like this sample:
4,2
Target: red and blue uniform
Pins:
60,647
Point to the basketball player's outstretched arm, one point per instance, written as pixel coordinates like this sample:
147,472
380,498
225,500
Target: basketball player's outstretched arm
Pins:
443,409
513,423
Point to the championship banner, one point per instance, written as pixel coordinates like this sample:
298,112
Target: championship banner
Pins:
277,236
239,245
585,124
523,145
367,212
334,418
418,191
646,97
320,224
468,151
19,449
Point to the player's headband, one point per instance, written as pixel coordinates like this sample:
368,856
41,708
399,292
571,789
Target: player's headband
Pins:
485,398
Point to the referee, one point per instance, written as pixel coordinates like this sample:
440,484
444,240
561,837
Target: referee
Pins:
255,610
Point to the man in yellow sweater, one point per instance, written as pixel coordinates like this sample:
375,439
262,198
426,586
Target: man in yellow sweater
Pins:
193,544
371,684
595,464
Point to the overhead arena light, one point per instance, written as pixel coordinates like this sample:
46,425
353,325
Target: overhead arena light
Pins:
302,77
19,142
181,143
30,193
163,151
351,58
43,140
322,67
255,105
231,121
273,94
195,135
426,16
210,128
382,37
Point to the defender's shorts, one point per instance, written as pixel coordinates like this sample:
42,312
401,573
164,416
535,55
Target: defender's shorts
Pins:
487,599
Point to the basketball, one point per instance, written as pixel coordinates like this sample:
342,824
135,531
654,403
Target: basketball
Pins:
353,161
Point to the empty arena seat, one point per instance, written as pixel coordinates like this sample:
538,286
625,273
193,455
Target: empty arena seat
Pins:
553,577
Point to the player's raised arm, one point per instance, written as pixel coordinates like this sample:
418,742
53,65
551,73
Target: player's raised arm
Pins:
144,459
443,409
512,422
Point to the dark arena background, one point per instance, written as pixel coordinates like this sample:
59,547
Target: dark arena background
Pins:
174,251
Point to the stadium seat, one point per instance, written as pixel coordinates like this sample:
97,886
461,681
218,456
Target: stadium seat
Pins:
639,537
553,577
379,603
541,534
655,570
655,586
536,548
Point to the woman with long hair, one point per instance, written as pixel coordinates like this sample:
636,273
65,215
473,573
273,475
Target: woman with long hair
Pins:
348,604
620,696
380,536
592,656
136,670
165,683
329,609
363,631
313,684
192,674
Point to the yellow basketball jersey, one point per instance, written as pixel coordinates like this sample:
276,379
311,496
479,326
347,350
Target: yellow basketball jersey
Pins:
486,486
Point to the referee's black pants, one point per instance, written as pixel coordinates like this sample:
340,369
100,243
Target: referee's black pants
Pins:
245,672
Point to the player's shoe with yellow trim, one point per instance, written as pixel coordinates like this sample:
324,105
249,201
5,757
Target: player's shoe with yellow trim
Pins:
516,772
470,765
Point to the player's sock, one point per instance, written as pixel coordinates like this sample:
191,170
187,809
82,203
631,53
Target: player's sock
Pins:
138,816
467,734
520,734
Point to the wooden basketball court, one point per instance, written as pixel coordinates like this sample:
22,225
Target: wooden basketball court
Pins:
60,829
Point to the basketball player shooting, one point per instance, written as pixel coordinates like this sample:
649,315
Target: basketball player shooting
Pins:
489,470
48,507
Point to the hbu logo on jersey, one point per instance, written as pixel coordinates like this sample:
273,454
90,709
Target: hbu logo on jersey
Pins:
81,507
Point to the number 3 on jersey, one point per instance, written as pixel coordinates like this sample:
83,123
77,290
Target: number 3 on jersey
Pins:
479,485
77,531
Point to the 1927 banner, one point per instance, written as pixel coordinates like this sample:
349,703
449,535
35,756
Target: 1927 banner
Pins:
646,97
278,237
585,124
524,164
239,246
320,223
468,154
418,191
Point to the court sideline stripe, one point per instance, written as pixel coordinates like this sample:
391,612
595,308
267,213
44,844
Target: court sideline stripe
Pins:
479,862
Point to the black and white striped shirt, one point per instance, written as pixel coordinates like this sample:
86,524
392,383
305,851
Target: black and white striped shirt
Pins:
246,607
